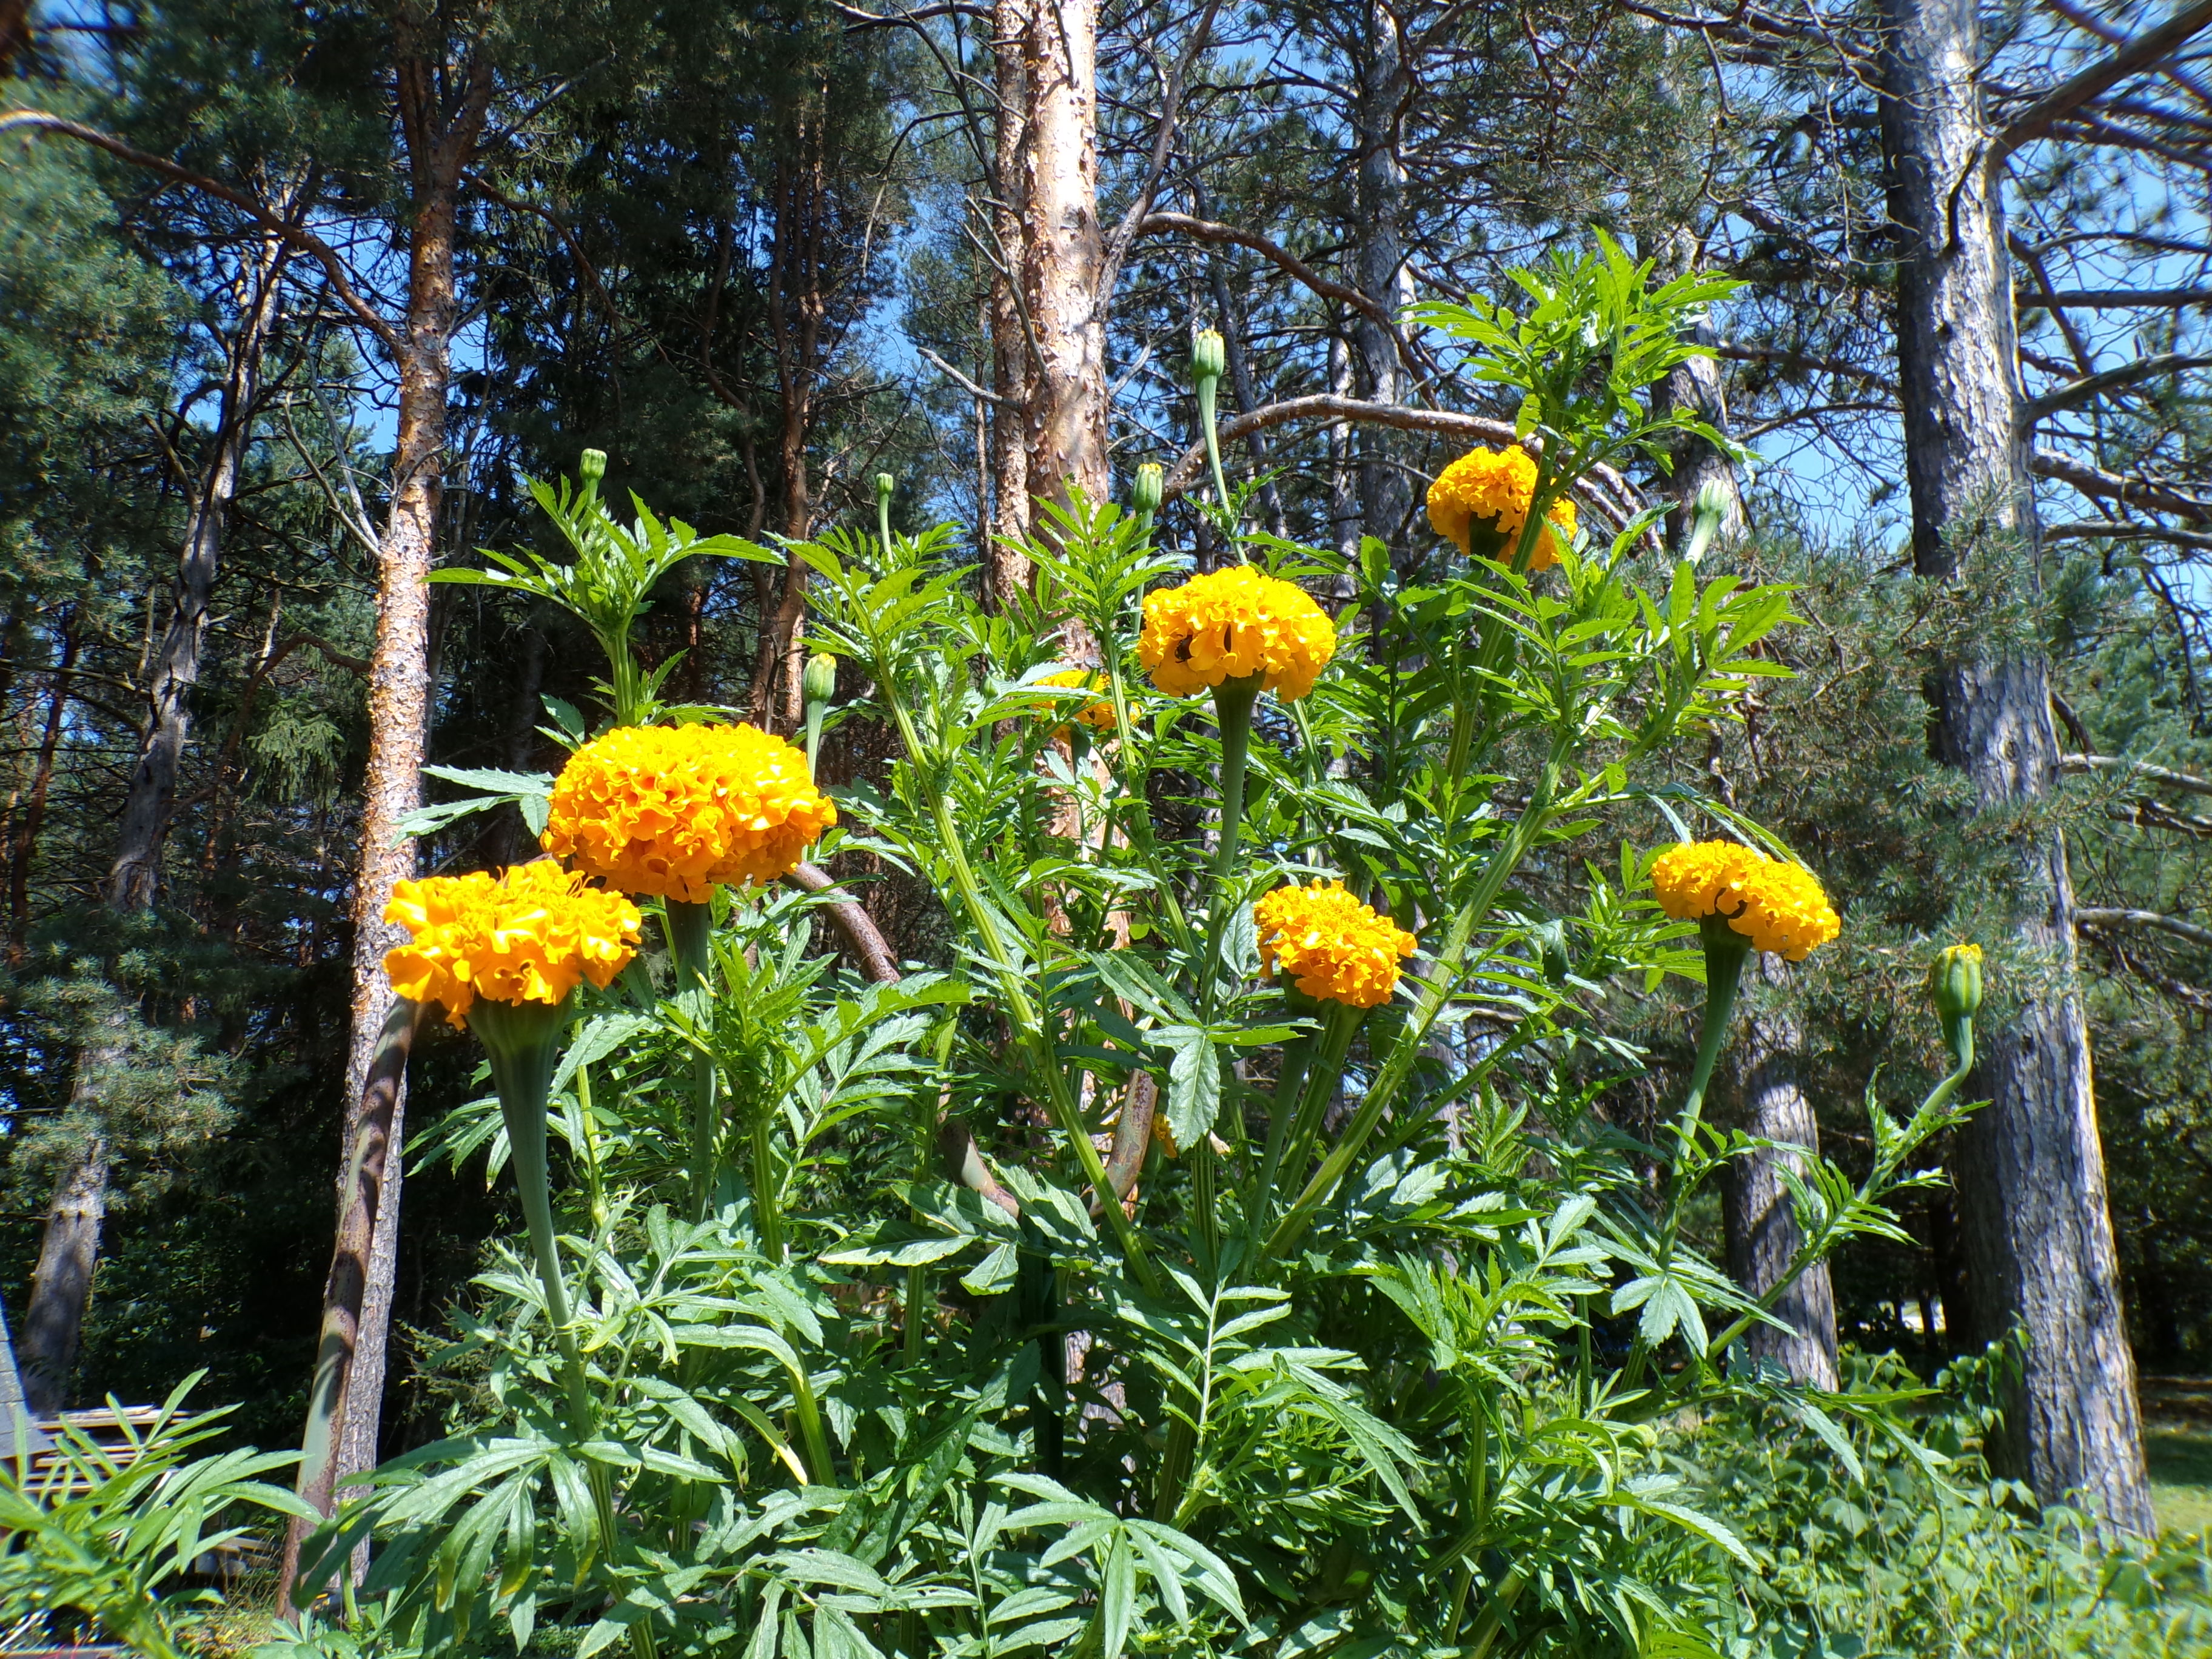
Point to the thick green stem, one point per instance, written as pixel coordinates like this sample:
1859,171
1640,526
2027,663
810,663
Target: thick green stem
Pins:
1208,389
1443,981
1295,1129
690,929
1726,951
523,1042
1233,701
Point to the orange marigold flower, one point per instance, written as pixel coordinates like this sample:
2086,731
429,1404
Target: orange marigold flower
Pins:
1098,713
1496,487
1779,907
677,811
1330,945
1230,624
525,936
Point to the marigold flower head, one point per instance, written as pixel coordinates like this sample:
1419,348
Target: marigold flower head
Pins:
1779,907
1098,713
677,811
1496,486
1330,945
525,936
1230,624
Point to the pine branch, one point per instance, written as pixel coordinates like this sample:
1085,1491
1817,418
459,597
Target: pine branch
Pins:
2150,920
2074,393
2079,764
2142,52
321,252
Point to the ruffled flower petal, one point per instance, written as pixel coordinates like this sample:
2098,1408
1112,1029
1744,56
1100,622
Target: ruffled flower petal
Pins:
1330,945
1496,486
1780,907
526,936
1230,624
677,810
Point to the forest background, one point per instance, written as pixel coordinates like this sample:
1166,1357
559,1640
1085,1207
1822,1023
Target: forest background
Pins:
293,299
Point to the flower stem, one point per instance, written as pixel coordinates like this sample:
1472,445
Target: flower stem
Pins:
689,930
523,1045
1323,1070
1208,389
1726,951
1233,701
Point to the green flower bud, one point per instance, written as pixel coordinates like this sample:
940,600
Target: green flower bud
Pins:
885,484
593,467
1209,355
1955,981
1152,484
819,681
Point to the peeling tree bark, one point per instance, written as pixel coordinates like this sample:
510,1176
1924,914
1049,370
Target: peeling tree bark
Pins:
1061,257
2029,1167
1006,571
441,133
1385,494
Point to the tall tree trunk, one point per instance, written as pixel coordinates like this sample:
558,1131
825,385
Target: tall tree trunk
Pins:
61,1288
23,845
74,1220
2030,1170
149,803
796,306
1006,571
1698,385
1763,1235
1062,254
440,140
1385,494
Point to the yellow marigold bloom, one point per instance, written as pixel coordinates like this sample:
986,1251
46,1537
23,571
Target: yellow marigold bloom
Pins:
1330,945
1232,623
1098,713
1779,907
526,936
1496,486
677,810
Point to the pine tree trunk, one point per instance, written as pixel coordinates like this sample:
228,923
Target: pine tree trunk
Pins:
1062,253
1006,571
23,845
61,1288
134,878
1698,385
1385,494
2029,1169
1763,1235
441,142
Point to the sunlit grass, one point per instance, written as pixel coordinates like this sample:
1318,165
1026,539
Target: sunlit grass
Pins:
2178,1446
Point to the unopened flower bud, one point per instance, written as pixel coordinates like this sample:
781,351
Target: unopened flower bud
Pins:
1209,355
819,681
1955,981
1145,493
592,467
885,484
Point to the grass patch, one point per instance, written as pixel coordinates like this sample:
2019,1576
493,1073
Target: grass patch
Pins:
2178,1446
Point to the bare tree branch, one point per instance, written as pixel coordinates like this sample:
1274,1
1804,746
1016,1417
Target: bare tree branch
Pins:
2076,393
2142,52
2151,920
2080,765
2111,486
321,252
2113,298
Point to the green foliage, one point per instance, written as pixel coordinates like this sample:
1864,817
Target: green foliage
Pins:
102,1534
1909,1548
1395,1376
